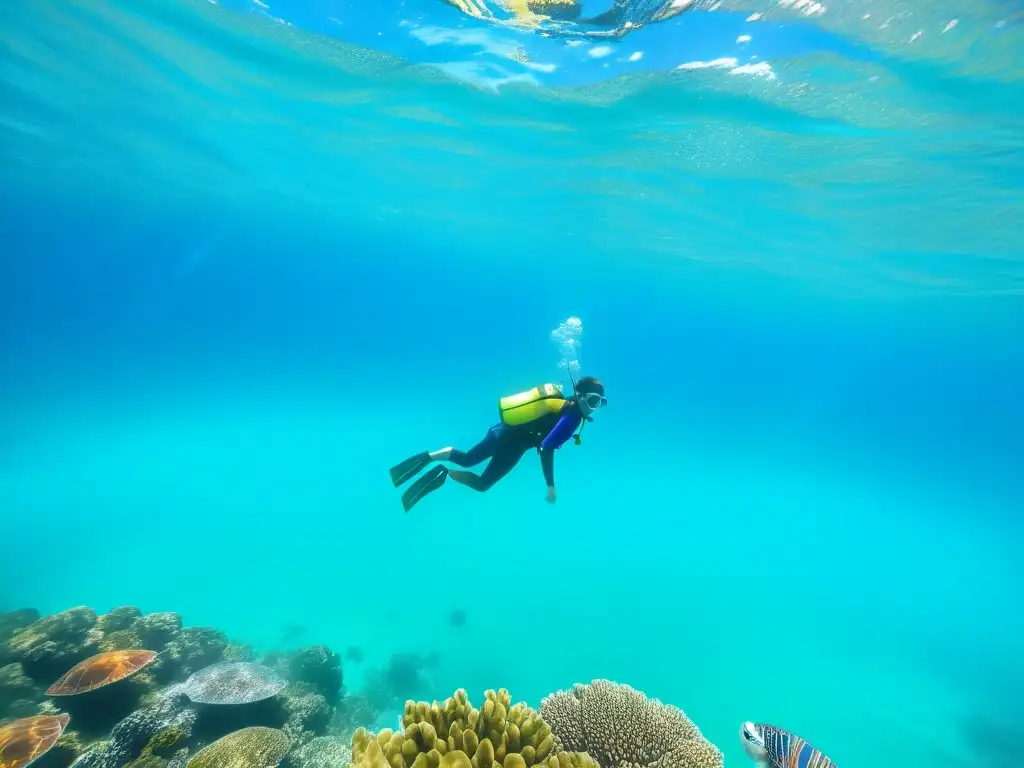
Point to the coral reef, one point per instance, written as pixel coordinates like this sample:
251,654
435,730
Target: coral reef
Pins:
19,695
144,734
355,710
145,720
316,665
14,621
399,680
190,650
144,691
622,728
456,735
50,646
321,752
254,747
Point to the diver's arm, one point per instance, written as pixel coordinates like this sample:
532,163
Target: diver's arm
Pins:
547,463
561,432
555,439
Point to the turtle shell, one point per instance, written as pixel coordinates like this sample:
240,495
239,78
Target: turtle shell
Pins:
255,747
24,740
101,669
233,682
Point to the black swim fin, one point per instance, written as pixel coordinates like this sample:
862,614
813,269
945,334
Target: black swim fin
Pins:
431,481
402,472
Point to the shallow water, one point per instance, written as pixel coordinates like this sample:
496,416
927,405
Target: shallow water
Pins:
249,265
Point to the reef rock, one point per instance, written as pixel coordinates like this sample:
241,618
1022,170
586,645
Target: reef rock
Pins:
354,711
317,665
239,652
156,630
321,752
50,646
161,727
68,747
118,619
191,649
308,713
13,622
113,631
19,696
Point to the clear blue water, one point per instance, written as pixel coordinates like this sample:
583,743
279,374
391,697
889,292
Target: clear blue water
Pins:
252,257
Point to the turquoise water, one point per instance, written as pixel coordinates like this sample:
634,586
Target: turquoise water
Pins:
249,265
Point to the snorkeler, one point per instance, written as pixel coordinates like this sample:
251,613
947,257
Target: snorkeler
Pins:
540,418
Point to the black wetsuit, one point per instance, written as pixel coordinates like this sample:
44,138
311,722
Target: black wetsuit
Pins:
505,446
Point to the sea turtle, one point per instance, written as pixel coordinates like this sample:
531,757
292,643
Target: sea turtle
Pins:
233,682
24,740
101,669
772,747
255,747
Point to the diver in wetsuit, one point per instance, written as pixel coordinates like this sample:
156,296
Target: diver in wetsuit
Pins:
540,418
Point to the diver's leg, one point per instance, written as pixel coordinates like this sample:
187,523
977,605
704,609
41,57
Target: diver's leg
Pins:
482,450
412,466
505,458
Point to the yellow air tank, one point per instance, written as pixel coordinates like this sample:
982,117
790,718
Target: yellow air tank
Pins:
531,405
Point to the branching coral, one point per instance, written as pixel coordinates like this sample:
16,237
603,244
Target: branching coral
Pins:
621,728
456,735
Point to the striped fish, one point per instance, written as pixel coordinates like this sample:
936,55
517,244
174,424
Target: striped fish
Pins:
772,747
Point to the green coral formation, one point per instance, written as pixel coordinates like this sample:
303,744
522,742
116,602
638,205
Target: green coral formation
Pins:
163,741
51,645
457,735
120,640
68,747
118,619
147,760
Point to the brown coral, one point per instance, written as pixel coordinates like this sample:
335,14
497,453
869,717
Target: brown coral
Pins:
456,735
621,728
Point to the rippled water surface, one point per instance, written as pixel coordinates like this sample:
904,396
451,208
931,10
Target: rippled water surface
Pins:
906,157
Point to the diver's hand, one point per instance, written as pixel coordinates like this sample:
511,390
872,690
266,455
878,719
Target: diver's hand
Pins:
552,497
